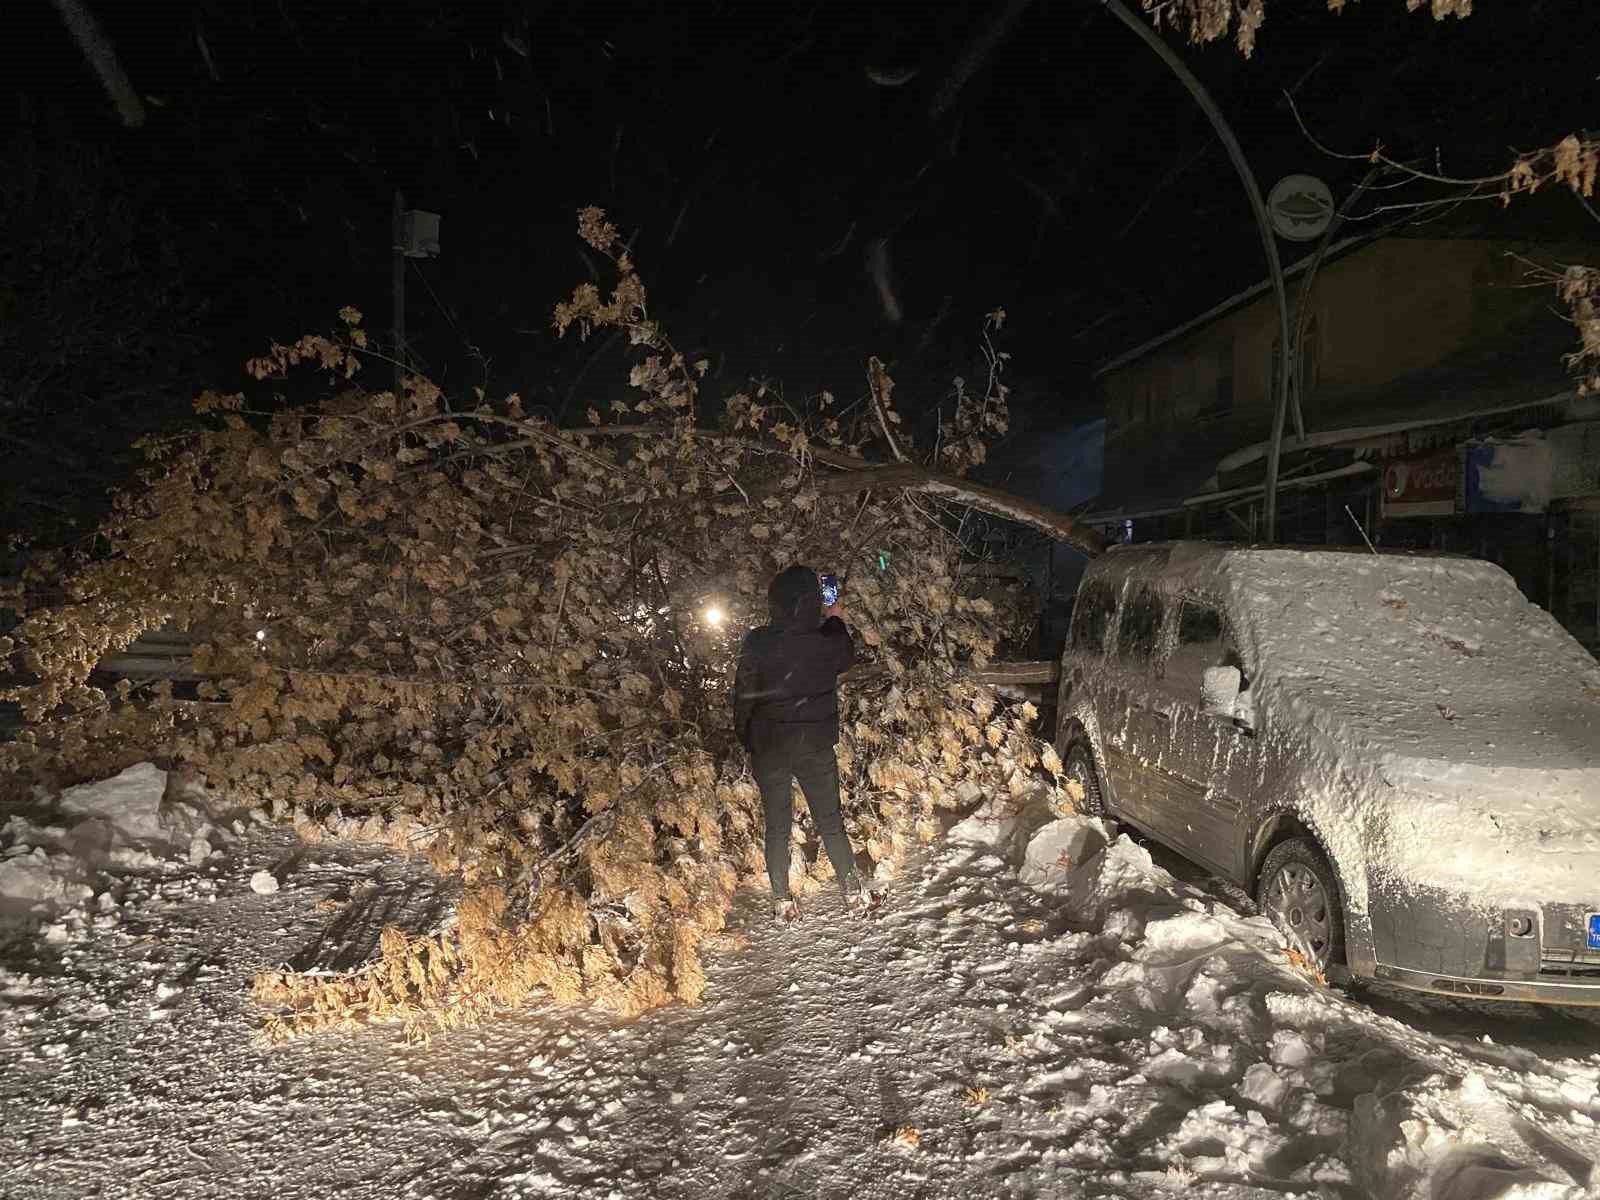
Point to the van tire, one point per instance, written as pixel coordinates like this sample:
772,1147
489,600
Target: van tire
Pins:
1297,889
1078,766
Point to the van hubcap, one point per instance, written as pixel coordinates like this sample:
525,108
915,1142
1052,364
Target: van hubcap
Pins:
1298,904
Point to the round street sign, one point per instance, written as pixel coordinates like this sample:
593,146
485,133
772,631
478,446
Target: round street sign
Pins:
1301,207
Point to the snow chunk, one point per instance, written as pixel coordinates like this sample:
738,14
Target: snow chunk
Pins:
1264,1086
42,882
1113,884
116,824
1061,847
125,810
263,883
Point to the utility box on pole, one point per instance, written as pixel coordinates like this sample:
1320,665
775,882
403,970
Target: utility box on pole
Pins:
416,235
419,234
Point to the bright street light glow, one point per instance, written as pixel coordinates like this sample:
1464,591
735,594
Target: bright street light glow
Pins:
714,615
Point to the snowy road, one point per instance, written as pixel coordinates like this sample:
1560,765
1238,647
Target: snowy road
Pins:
1127,1035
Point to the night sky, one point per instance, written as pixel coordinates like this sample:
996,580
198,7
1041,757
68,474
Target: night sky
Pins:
745,148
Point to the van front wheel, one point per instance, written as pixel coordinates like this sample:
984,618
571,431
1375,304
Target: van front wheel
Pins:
1298,890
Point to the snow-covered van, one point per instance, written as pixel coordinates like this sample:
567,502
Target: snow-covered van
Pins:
1398,755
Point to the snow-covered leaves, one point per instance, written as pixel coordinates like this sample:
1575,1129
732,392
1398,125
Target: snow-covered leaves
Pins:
1208,20
469,633
1303,963
1580,288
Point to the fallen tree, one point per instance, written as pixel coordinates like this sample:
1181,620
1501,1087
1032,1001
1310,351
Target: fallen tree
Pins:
508,645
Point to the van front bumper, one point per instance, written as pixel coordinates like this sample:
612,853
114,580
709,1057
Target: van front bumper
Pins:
1545,990
1437,942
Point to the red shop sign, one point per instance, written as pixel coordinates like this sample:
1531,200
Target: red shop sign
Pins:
1422,486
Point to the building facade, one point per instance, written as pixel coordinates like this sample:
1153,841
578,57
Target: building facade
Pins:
1435,410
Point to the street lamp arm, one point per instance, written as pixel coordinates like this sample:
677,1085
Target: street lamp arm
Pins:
1274,265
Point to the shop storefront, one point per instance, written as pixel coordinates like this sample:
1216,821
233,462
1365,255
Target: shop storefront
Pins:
1528,501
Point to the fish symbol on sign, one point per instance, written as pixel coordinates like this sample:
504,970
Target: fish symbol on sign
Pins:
1303,208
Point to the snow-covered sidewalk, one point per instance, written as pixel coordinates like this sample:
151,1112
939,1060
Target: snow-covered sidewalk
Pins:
1118,1033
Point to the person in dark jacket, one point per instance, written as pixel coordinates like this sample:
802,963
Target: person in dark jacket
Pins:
786,712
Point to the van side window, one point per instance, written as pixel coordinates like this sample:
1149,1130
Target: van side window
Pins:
1204,640
1141,626
1199,625
1091,617
1200,645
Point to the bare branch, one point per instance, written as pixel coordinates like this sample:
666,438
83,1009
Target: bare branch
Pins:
879,386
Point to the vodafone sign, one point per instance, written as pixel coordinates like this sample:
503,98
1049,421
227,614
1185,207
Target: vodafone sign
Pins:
1422,486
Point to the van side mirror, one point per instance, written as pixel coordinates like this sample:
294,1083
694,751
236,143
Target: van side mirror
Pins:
1219,691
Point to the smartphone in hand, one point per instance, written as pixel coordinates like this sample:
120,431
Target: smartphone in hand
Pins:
830,591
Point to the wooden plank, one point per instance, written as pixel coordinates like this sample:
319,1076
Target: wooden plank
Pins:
1003,674
1016,674
1577,504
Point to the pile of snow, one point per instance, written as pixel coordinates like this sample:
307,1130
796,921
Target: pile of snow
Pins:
73,852
1283,1070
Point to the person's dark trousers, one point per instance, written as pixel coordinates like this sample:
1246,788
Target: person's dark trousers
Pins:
804,753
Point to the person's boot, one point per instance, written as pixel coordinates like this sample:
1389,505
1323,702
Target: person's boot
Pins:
784,910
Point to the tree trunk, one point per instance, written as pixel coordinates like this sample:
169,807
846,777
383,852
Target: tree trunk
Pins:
859,475
913,478
102,56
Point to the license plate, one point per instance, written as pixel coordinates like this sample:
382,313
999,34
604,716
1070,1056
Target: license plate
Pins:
1594,931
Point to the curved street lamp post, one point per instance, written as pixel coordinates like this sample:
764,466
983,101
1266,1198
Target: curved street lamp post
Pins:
1252,189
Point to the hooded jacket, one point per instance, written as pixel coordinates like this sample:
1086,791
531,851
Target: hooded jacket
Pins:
787,680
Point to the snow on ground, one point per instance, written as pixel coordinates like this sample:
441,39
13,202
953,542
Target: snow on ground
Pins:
1110,1032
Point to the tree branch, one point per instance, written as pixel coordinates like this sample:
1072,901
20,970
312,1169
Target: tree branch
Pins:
913,478
102,56
879,386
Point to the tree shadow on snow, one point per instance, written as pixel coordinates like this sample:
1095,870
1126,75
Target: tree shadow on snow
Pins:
350,939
